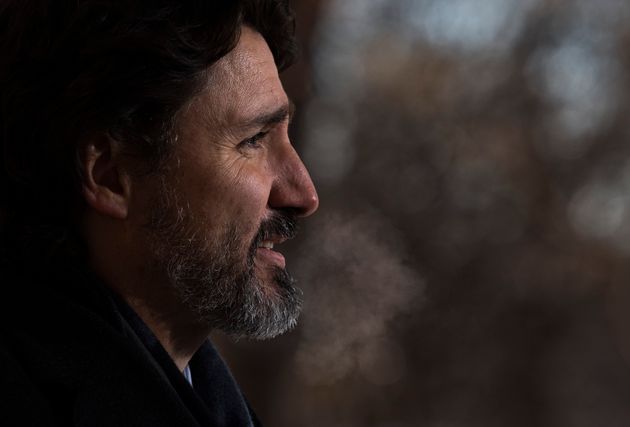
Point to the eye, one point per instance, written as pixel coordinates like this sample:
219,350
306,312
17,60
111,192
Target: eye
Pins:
254,141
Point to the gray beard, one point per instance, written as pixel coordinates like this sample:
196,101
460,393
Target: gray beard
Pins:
216,279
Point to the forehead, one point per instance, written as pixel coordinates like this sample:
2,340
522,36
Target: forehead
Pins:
243,83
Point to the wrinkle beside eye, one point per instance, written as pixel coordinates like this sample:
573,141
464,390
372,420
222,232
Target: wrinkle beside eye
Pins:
235,165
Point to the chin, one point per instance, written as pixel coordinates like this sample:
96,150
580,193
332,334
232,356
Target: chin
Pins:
269,308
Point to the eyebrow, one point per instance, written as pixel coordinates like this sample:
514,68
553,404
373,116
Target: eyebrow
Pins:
271,118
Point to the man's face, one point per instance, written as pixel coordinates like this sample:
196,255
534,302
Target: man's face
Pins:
232,190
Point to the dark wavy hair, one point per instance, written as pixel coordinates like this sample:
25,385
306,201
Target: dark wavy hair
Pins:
72,69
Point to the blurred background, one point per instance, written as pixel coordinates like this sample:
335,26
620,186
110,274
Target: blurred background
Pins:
469,263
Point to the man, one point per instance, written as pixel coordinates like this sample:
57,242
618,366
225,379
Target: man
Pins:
147,175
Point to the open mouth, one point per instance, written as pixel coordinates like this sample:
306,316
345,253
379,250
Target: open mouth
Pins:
265,250
278,228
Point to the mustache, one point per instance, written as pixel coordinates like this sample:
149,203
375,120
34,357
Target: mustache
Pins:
282,223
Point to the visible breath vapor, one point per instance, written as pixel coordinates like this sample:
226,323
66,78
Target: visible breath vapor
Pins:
358,286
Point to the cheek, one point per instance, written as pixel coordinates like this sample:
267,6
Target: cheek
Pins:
241,195
250,190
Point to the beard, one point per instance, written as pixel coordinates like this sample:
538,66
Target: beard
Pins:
215,277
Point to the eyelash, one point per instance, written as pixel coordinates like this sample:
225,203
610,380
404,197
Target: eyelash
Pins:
254,140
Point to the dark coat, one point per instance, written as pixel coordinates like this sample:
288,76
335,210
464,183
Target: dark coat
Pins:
72,355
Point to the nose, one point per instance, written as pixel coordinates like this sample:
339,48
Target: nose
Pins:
293,187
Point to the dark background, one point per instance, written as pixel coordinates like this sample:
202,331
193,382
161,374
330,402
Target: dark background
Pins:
468,265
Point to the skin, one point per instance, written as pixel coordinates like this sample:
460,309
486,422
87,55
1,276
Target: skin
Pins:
233,164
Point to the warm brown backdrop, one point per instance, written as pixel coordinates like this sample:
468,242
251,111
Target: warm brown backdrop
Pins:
469,262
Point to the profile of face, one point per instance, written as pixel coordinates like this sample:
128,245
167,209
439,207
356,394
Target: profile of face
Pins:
233,188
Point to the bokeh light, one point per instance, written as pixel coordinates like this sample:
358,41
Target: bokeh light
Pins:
469,265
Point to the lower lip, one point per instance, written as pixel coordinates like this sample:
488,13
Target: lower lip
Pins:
271,256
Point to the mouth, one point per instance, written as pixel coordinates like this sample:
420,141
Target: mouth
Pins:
278,228
265,251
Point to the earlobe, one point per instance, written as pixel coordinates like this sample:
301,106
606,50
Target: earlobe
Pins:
106,186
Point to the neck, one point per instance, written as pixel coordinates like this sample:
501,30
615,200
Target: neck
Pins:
180,337
125,272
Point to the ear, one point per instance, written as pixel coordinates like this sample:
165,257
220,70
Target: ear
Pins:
106,186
